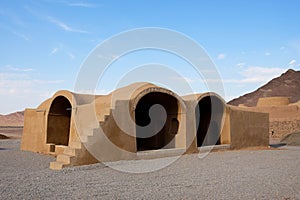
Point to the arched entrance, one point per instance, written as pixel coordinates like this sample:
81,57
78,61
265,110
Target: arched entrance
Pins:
59,118
209,114
164,123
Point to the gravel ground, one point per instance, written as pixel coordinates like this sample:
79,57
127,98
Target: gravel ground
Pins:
247,174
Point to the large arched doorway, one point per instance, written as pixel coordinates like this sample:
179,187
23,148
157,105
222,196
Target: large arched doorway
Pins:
59,118
150,120
209,115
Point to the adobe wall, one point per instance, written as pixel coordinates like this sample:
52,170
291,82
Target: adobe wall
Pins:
284,118
34,136
273,101
248,129
288,112
281,128
33,131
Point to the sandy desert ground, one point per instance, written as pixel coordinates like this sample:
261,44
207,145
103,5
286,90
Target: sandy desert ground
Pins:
244,174
11,132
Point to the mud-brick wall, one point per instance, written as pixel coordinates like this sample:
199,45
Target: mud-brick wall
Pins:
280,128
248,129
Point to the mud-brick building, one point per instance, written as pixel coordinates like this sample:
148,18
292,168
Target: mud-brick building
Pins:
84,129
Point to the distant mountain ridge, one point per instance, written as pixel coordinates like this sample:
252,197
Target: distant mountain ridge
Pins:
286,85
12,119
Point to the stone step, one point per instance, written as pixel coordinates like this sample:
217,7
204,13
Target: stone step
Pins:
63,158
204,149
159,153
57,165
84,138
70,151
75,144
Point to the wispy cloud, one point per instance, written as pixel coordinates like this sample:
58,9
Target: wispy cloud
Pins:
181,78
267,54
221,56
21,35
17,69
21,83
257,75
240,64
253,75
48,81
13,17
81,4
64,26
292,63
71,55
54,51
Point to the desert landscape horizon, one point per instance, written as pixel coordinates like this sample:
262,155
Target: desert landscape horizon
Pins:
271,88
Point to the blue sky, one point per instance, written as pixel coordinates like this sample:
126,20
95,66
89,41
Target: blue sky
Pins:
44,43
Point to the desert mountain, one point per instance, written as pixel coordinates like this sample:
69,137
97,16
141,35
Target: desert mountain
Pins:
13,119
287,85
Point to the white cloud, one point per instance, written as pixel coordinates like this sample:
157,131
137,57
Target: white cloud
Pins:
48,81
260,74
251,75
221,56
257,75
267,54
65,26
17,69
80,4
21,83
240,64
292,63
282,48
21,35
181,78
71,55
54,51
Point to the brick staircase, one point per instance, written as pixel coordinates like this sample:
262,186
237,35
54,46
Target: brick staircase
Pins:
71,155
68,157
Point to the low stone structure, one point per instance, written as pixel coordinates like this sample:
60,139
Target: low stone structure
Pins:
284,117
83,129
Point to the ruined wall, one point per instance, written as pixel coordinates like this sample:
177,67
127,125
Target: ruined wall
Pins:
284,119
225,132
279,129
33,137
273,101
248,129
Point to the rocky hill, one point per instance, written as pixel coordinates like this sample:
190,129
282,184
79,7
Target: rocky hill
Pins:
13,119
287,85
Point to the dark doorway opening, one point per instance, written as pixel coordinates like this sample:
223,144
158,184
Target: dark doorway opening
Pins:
156,128
209,114
59,118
